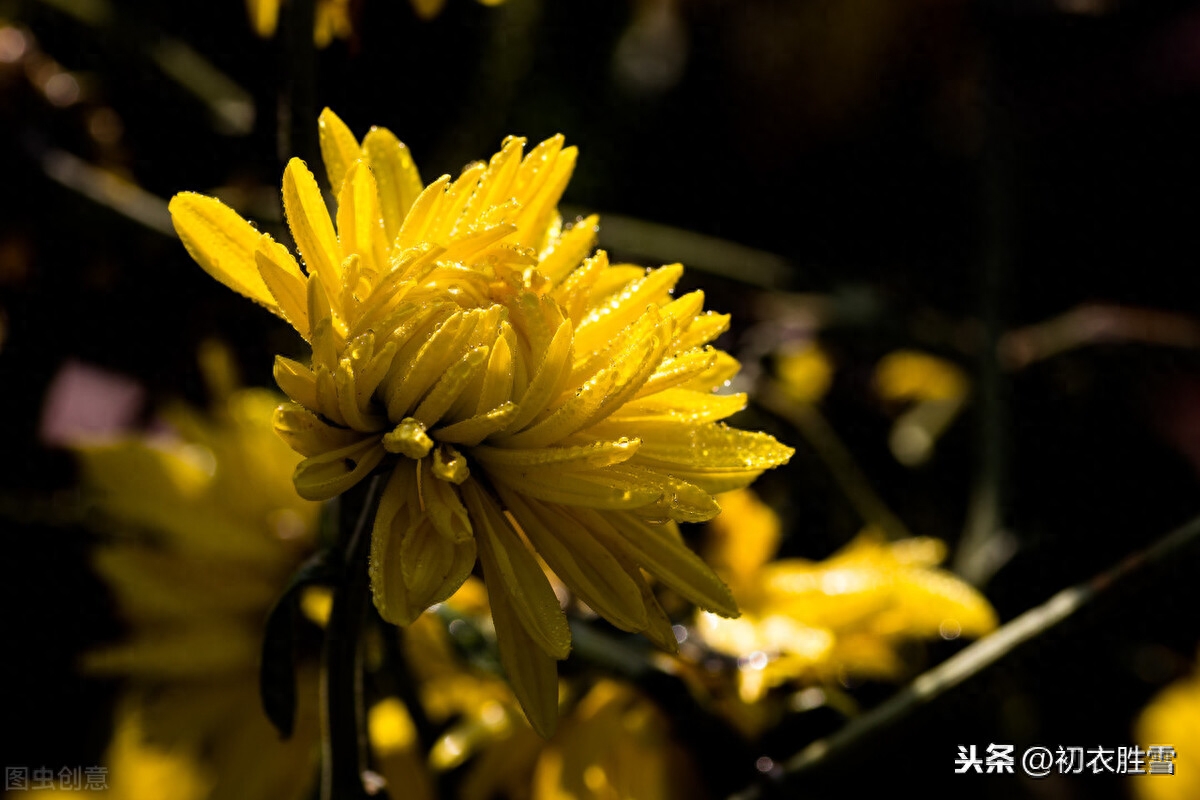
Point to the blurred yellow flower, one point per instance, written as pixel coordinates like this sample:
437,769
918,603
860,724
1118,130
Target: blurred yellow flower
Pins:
912,375
615,744
841,617
522,393
937,390
136,768
805,372
332,17
1172,718
206,531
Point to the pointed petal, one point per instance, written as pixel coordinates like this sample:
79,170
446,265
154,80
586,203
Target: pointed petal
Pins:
433,566
592,456
570,250
585,565
308,218
296,381
668,559
222,243
506,557
532,674
339,148
578,489
546,381
281,275
307,434
360,227
396,176
450,385
473,430
322,476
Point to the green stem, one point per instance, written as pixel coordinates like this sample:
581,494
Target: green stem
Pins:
343,718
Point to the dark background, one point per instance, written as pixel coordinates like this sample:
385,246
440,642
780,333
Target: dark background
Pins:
930,165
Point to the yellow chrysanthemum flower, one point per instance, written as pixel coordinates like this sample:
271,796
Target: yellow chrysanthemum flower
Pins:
1172,718
840,617
136,768
520,392
207,529
615,744
332,17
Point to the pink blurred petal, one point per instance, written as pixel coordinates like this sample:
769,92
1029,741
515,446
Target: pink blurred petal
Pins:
85,402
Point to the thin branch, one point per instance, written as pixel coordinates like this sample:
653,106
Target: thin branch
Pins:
974,659
1096,323
975,557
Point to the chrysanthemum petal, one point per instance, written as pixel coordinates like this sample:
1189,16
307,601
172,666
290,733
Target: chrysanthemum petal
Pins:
615,278
412,566
467,247
281,275
450,385
473,430
446,511
702,369
529,460
339,148
659,629
498,379
532,674
424,210
534,217
604,322
347,394
307,434
726,452
604,391
701,330
496,183
655,548
681,405
546,379
678,499
222,243
308,219
507,558
535,168
450,212
433,566
587,489
359,225
327,396
396,176
368,377
717,374
573,292
323,476
436,355
570,250
296,381
585,565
